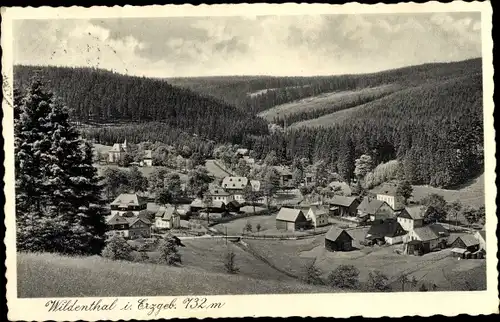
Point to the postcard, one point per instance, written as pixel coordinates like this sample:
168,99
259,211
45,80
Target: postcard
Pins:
249,160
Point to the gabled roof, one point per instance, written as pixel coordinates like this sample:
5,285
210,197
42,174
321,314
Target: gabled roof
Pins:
288,214
468,240
482,233
335,232
414,212
319,210
255,185
116,220
134,220
234,182
147,154
117,147
198,203
129,199
387,228
431,232
282,171
166,212
219,192
370,207
341,201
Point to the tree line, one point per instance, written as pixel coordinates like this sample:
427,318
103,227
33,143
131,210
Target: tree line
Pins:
259,93
102,97
435,131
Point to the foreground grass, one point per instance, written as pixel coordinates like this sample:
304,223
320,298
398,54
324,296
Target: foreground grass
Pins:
49,275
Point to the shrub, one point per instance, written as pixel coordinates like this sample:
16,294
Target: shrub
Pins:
230,263
117,248
378,281
344,277
169,253
312,275
137,256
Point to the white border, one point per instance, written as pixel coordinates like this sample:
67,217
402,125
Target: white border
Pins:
314,305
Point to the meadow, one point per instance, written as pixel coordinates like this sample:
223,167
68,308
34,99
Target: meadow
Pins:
332,100
50,275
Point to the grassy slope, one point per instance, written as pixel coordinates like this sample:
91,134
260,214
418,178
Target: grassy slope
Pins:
325,100
471,194
407,97
48,275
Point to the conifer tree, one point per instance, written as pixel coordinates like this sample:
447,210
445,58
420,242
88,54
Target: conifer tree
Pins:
58,195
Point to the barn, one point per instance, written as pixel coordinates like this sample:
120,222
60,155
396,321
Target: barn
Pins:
291,219
343,206
337,239
467,242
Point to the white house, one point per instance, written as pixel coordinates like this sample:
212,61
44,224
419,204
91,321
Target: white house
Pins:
412,217
387,192
318,216
117,152
235,186
167,218
481,237
129,203
221,195
429,237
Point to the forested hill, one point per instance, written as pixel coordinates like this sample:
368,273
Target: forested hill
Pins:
104,97
434,130
259,93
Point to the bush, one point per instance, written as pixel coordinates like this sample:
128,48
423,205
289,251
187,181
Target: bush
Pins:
117,248
139,257
312,275
230,263
378,281
344,277
169,253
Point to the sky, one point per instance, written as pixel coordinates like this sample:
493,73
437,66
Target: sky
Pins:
299,45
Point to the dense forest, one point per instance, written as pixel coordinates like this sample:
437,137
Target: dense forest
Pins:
259,93
102,97
432,124
436,130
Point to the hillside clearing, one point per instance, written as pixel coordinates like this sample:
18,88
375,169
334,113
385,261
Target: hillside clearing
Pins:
50,275
326,100
471,194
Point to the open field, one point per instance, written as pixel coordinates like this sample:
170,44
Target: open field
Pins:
49,275
146,171
327,100
216,170
437,267
471,194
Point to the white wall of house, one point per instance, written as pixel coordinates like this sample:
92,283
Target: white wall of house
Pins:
394,240
239,197
407,223
387,198
317,220
224,199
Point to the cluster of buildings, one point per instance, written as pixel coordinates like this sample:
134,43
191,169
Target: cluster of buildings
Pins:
118,151
389,222
130,218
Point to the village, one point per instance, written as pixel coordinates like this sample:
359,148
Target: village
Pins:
247,211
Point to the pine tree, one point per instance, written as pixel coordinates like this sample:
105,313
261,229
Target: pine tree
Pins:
58,195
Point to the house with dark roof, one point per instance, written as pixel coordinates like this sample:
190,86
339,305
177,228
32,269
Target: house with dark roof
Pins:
412,217
291,219
467,242
318,215
374,210
128,202
388,192
167,218
128,225
481,237
198,205
389,231
426,238
338,239
343,206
